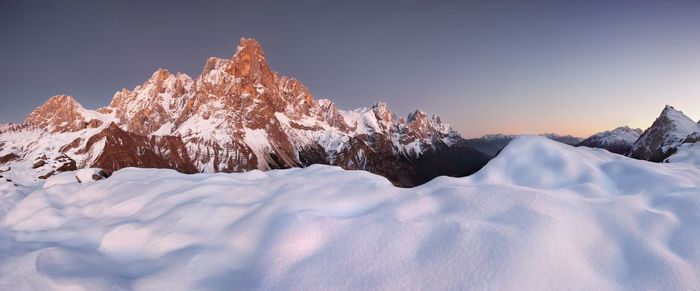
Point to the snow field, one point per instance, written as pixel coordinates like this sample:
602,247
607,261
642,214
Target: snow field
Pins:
541,215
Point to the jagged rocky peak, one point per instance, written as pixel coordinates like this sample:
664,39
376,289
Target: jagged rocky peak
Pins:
156,102
246,74
244,90
675,123
420,122
249,60
55,104
298,97
382,112
62,113
668,131
328,112
680,120
417,115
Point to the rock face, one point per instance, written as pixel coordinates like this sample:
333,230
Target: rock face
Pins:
8,158
121,149
618,140
667,132
239,115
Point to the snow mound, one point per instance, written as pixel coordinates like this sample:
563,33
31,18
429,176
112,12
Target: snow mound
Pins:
542,215
536,162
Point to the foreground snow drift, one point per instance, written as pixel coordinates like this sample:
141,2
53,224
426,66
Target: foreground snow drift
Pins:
542,215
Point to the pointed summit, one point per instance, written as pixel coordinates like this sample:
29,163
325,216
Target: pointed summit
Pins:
60,100
248,44
382,112
55,105
417,115
665,134
59,114
675,114
154,103
249,60
160,74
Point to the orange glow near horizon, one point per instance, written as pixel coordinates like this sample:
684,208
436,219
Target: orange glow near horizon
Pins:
640,118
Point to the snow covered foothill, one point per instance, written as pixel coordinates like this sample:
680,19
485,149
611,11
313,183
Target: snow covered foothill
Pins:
541,215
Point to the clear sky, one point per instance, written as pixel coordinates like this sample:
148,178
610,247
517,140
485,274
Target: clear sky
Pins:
485,66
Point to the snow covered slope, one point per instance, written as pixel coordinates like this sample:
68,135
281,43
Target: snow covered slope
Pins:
540,216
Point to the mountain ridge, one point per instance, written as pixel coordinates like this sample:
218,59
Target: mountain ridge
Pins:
239,115
619,140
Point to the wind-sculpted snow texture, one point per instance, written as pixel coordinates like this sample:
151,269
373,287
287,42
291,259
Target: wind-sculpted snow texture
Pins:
540,216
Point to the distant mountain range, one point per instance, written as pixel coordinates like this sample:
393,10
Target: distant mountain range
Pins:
491,144
669,132
239,115
619,140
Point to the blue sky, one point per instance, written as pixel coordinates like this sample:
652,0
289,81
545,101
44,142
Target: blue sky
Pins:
484,66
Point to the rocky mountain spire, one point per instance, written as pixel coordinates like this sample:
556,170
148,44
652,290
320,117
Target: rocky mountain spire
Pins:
670,129
249,61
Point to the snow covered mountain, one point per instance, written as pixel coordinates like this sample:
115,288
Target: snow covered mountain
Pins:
542,215
618,140
237,115
668,131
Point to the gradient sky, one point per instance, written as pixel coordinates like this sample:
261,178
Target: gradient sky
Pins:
484,66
